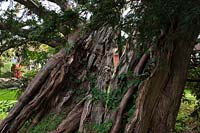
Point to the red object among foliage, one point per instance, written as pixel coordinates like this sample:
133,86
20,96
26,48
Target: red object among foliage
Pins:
17,70
116,60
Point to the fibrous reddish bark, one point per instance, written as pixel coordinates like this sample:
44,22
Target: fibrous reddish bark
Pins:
160,95
92,54
128,95
37,93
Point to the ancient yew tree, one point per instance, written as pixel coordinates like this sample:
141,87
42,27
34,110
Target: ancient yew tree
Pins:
154,40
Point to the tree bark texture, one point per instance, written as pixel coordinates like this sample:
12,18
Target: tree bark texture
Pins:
160,95
90,67
93,53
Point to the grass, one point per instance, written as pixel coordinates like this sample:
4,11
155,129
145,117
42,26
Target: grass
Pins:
3,115
7,100
6,94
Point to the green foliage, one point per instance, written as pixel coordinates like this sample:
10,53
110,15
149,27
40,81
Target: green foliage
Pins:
184,120
196,116
98,95
30,74
5,70
55,26
6,55
194,73
103,12
6,94
126,81
8,98
152,18
39,54
48,123
194,87
100,128
3,115
131,108
112,97
51,28
5,106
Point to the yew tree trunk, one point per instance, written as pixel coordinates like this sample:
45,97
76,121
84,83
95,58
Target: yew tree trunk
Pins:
88,68
160,95
61,78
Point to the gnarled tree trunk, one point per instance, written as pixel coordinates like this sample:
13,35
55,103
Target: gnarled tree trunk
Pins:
160,95
90,68
93,54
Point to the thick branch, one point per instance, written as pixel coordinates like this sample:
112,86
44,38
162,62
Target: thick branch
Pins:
11,44
37,9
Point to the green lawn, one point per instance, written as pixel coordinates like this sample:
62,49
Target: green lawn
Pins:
6,94
7,100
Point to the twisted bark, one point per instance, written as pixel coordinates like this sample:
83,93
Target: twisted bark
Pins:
160,95
94,50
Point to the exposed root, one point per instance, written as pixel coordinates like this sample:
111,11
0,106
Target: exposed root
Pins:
128,95
86,112
71,123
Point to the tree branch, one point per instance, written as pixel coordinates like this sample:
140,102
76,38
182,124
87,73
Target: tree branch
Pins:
11,44
31,5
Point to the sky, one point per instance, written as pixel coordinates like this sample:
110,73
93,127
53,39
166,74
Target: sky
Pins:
10,4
